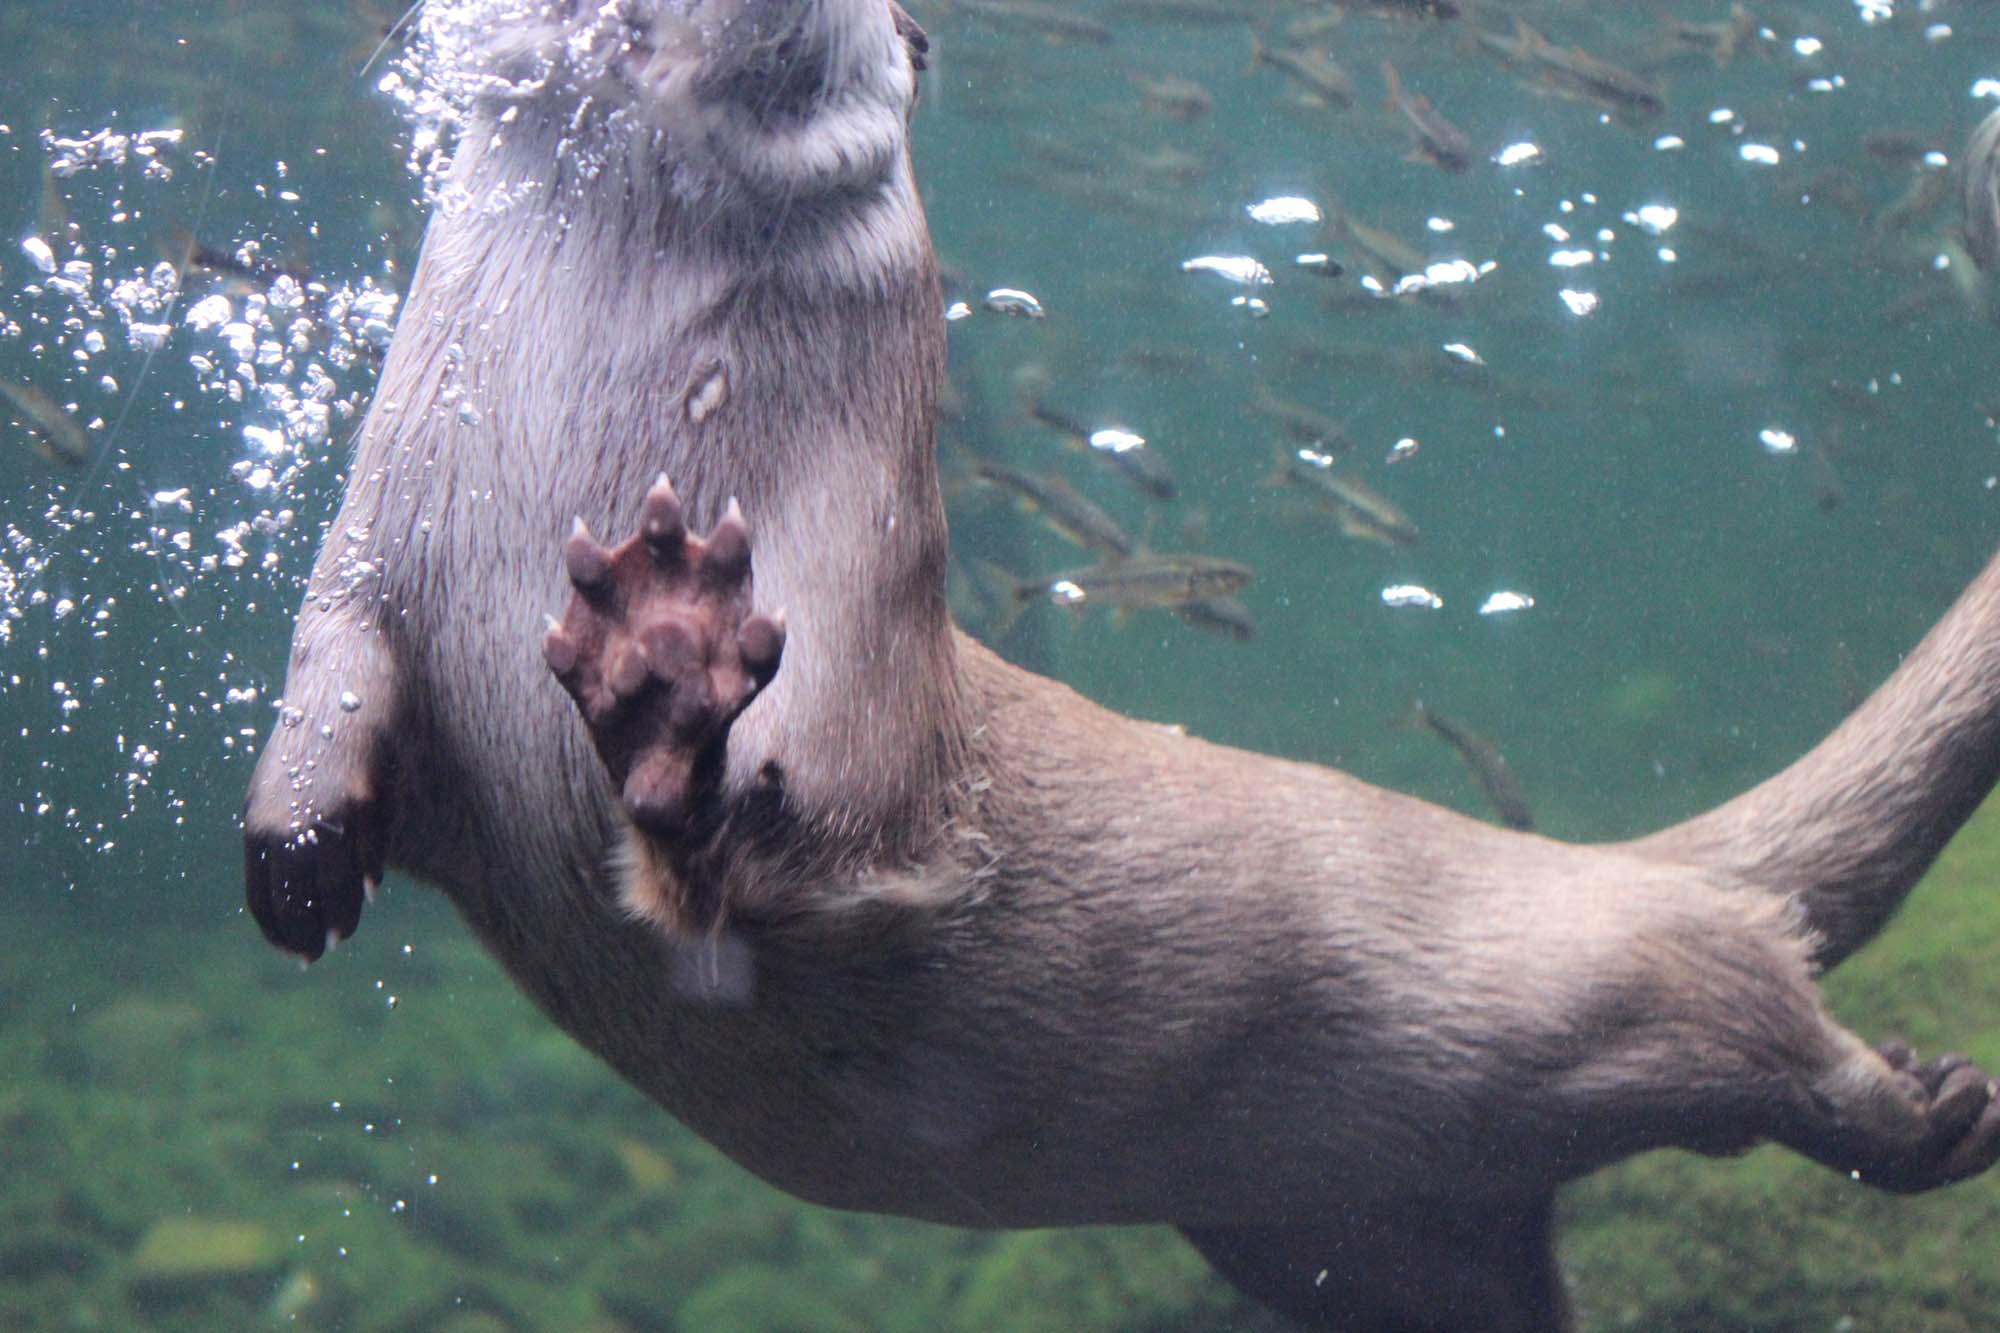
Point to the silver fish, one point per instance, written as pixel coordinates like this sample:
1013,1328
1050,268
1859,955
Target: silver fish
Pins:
53,431
1360,511
1488,765
1142,582
1438,141
1982,193
1061,506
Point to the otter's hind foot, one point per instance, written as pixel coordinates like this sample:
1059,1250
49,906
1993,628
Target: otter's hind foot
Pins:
1960,1106
1900,1124
661,652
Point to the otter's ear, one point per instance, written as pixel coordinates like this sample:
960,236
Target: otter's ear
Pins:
915,40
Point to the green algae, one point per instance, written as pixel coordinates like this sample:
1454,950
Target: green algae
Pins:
197,1247
446,1159
1092,1282
421,1168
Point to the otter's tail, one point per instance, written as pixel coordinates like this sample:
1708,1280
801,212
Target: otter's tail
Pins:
1848,829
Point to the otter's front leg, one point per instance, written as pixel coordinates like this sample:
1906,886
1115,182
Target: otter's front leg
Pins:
661,652
316,817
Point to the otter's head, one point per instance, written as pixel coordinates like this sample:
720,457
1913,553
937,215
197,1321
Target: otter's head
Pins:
758,100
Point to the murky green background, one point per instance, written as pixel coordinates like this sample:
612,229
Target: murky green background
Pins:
194,1134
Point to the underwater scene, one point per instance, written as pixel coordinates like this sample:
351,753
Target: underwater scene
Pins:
1563,412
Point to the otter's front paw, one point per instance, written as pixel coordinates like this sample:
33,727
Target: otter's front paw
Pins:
661,652
315,833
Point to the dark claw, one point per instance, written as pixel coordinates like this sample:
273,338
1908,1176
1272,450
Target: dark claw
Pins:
661,522
728,555
321,805
559,650
589,564
306,893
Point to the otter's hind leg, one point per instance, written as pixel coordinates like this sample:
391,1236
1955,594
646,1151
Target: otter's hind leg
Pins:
1484,1266
661,652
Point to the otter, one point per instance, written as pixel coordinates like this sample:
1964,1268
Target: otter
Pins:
900,927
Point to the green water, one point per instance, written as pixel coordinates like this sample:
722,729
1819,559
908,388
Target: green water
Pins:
194,1134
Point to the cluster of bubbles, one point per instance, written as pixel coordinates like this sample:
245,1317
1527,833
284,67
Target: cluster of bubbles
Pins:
206,389
200,387
472,51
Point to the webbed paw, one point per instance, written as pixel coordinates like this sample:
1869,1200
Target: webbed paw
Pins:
661,651
1960,1107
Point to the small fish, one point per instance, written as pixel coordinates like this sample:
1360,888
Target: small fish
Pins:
1124,451
1061,151
1899,148
1438,141
1313,27
1496,779
1575,71
1097,192
1718,39
1131,457
1360,512
1313,69
1407,9
1823,477
1055,22
52,220
1305,425
1834,187
1512,49
1062,507
188,253
1166,162
1172,95
1013,301
53,431
1184,11
1982,193
1163,359
1387,256
1221,615
1967,279
1141,582
1928,188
